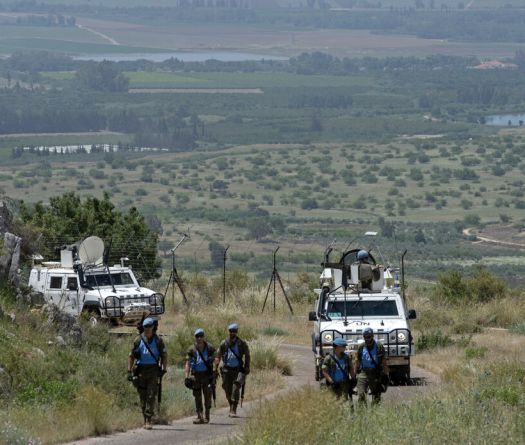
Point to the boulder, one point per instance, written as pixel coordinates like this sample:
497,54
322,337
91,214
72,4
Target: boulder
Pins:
67,325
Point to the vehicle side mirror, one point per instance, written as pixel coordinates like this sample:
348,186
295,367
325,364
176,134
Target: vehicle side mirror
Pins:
312,316
412,314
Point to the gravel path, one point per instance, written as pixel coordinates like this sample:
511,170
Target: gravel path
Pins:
221,426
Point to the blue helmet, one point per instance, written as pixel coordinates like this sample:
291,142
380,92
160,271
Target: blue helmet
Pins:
362,255
339,342
148,322
234,327
199,332
368,331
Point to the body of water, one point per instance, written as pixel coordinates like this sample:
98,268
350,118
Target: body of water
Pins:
223,56
502,120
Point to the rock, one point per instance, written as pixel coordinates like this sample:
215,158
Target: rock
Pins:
68,327
60,340
38,351
10,258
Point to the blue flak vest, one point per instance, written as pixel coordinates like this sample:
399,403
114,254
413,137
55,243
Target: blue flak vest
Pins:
145,357
366,361
229,357
197,364
338,376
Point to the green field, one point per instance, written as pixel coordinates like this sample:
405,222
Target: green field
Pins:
73,41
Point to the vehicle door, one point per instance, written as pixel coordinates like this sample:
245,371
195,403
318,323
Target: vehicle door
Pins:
55,289
73,293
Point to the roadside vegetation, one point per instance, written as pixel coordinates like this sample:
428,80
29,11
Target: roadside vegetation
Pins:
56,388
481,372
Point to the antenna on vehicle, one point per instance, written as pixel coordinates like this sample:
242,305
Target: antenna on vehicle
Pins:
106,263
328,251
344,283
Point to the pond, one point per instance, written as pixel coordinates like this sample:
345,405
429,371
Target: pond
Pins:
190,56
502,120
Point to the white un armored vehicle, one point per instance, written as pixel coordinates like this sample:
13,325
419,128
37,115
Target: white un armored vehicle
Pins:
354,296
80,283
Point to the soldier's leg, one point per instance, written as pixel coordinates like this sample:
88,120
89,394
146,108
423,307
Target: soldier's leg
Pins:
236,390
227,385
375,389
206,390
362,388
197,394
142,395
151,395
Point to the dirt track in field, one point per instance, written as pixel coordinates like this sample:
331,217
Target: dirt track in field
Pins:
222,427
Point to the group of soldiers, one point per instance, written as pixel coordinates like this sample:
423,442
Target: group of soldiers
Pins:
148,360
366,371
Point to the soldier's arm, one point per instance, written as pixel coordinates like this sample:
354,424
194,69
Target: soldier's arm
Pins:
383,364
130,362
189,356
217,360
356,364
163,355
326,373
247,358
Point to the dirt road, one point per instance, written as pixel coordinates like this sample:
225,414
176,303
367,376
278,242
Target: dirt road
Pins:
484,239
222,427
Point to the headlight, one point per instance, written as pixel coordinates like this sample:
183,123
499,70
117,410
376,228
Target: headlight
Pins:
155,300
402,336
327,338
110,301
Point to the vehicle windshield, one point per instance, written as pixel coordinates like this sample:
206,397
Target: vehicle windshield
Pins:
383,308
119,279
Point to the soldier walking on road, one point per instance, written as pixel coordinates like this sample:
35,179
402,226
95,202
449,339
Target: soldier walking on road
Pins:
200,363
147,364
235,354
369,367
338,371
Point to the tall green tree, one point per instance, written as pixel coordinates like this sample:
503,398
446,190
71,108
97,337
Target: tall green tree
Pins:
69,219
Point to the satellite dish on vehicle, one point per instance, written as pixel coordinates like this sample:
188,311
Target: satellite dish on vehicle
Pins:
91,250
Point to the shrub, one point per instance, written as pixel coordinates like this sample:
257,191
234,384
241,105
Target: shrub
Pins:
435,339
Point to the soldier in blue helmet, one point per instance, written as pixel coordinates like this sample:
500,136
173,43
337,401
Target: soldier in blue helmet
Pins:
363,256
370,367
147,363
199,363
338,371
235,355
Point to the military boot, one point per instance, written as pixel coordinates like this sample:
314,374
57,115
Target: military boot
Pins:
199,420
231,410
147,423
207,416
234,410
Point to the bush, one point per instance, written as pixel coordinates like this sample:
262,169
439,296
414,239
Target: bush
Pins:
482,286
435,339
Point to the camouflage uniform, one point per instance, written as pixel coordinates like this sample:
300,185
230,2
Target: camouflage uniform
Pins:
339,388
229,374
202,379
147,383
369,377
